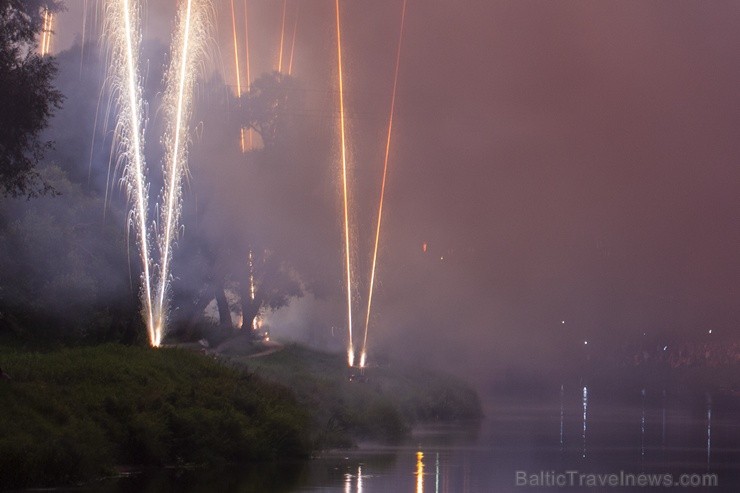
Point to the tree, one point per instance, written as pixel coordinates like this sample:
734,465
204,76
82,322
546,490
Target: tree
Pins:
267,283
63,270
27,96
265,105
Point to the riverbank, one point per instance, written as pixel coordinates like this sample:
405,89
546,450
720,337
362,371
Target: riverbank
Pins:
71,415
380,404
75,414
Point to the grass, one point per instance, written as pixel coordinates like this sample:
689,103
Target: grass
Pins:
384,407
74,414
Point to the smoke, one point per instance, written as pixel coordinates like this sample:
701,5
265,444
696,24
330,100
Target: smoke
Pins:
563,162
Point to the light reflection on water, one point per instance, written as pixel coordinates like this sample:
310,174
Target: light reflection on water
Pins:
419,472
580,430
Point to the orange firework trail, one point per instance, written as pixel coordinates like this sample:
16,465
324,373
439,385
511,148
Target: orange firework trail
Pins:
292,46
46,32
236,67
236,52
350,347
282,38
363,354
249,76
246,43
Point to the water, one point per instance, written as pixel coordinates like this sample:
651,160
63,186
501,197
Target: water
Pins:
580,431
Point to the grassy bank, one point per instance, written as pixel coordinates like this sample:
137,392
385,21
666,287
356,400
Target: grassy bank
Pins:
384,406
73,414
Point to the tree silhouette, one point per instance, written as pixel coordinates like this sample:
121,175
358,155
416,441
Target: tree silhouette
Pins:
264,107
27,97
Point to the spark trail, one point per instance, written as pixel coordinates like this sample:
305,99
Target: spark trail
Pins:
251,276
236,68
292,44
180,82
236,52
250,142
350,347
46,32
123,30
363,354
282,38
246,43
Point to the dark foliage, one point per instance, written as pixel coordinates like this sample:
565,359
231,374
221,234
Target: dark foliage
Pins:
27,97
72,415
266,104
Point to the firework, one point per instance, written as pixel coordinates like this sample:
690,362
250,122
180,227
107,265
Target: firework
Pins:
249,132
46,32
180,82
122,30
292,44
282,38
363,354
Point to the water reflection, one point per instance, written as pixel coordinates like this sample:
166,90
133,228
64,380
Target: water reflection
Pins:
558,436
585,418
709,430
562,416
419,472
642,429
436,474
662,433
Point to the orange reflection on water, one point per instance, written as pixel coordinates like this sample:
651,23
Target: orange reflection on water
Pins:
419,472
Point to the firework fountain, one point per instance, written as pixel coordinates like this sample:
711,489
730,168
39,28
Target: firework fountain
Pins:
187,51
246,44
292,44
282,38
363,353
123,32
350,346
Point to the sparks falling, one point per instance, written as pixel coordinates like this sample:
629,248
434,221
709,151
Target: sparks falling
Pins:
123,31
350,347
122,28
363,354
180,81
251,276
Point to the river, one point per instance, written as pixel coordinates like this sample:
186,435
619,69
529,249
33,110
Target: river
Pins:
581,441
